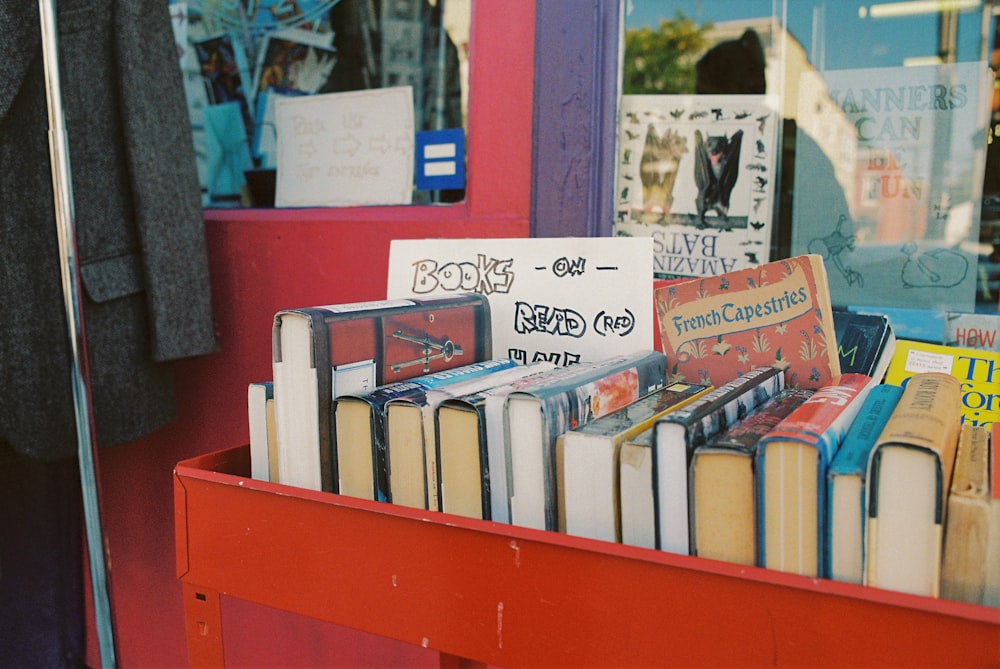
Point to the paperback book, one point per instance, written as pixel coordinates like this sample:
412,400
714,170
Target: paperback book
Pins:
977,370
865,343
779,314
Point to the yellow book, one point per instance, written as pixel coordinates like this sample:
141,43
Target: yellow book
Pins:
977,370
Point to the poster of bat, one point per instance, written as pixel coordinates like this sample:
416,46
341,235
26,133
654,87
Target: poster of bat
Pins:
698,173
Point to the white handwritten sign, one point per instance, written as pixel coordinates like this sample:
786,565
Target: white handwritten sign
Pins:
345,149
560,299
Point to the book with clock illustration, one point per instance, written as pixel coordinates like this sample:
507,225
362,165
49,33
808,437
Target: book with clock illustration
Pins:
322,352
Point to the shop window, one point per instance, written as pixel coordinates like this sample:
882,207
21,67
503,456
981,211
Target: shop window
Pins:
240,56
884,159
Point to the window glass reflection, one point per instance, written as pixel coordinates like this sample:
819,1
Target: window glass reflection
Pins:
887,166
238,56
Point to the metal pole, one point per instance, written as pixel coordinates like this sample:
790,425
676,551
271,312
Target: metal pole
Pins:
65,227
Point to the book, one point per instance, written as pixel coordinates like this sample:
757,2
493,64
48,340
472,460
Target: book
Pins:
321,352
535,415
792,462
865,343
893,237
777,314
964,565
411,444
909,470
971,330
722,493
846,484
363,458
977,370
991,595
697,173
263,437
472,479
635,476
680,432
588,461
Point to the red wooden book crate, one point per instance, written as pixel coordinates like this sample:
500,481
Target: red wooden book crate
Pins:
482,592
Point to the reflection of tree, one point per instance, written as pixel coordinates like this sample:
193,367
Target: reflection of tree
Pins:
663,60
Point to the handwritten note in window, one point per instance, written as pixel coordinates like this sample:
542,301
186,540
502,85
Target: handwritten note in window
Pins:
345,149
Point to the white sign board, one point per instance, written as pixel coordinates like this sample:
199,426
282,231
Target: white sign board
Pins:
561,299
345,149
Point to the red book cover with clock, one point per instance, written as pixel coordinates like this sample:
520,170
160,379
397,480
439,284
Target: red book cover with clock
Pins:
714,329
321,352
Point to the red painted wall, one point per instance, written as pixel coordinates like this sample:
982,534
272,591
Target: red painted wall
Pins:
265,260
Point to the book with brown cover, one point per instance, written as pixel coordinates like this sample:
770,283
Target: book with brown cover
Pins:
723,513
964,564
792,462
715,328
909,471
321,352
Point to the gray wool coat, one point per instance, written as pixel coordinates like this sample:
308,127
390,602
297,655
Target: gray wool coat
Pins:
139,227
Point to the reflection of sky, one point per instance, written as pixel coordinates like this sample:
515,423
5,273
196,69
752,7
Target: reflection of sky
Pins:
842,38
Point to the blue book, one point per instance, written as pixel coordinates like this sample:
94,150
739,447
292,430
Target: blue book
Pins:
792,462
846,484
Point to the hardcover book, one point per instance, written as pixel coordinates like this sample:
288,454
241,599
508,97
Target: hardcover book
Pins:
792,462
535,416
865,343
322,352
679,433
964,565
263,436
893,221
588,461
635,476
697,173
977,370
472,468
723,515
847,485
778,314
410,432
909,471
361,435
991,597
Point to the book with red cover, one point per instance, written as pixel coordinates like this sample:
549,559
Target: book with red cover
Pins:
792,462
715,328
321,352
